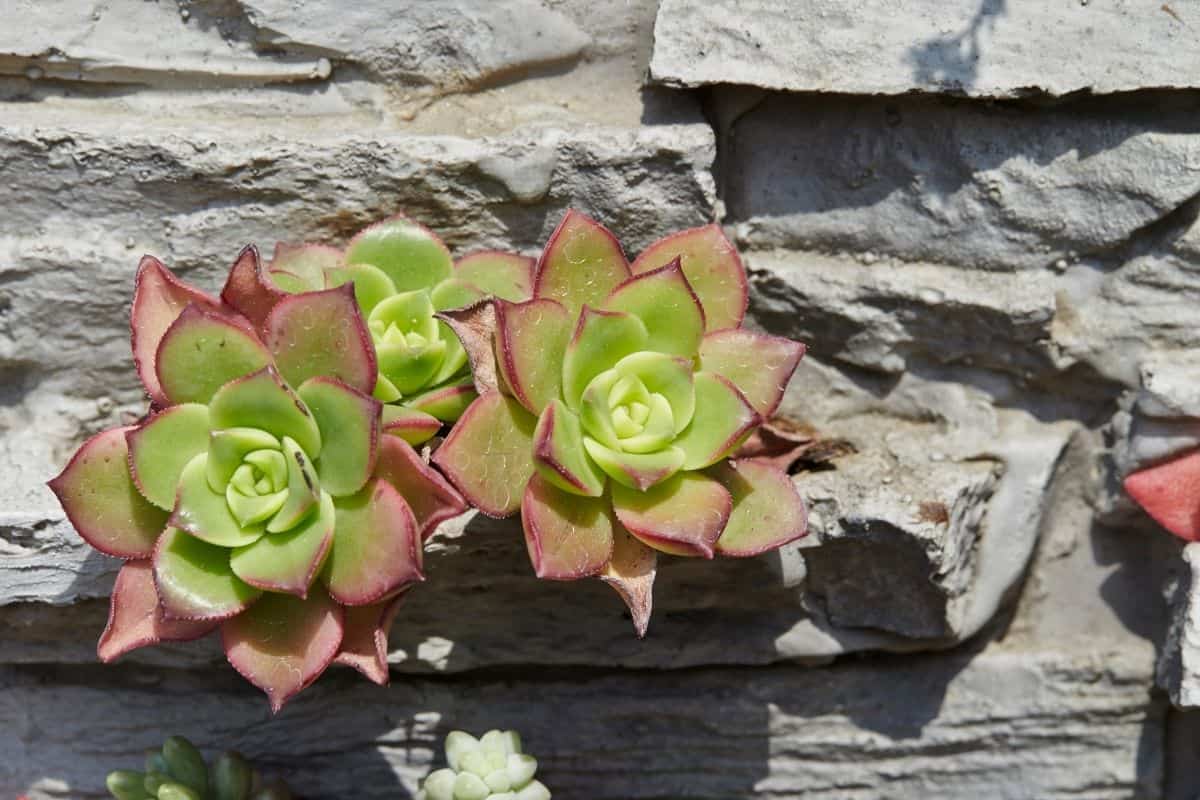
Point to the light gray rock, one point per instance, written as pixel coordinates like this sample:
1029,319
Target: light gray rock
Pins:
1179,663
980,48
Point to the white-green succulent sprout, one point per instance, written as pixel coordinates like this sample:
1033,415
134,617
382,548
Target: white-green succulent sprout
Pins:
491,767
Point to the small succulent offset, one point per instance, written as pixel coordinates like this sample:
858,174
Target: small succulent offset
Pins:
178,772
403,275
609,405
261,495
491,767
1170,493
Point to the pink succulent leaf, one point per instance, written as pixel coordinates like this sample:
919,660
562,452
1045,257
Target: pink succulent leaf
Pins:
262,400
768,511
506,276
600,339
722,420
365,638
447,402
630,572
1170,493
665,303
431,498
202,351
249,290
559,455
162,446
414,427
568,536
305,262
581,264
282,643
713,268
760,366
684,515
376,547
135,618
158,298
531,339
778,442
97,493
488,454
411,255
289,561
349,422
194,579
322,333
475,327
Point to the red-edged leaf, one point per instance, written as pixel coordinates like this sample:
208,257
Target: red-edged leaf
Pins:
760,366
447,402
307,262
530,341
414,427
349,422
665,303
290,560
767,513
722,419
158,298
581,264
684,515
600,340
97,493
283,643
194,580
559,455
406,251
713,268
489,454
204,350
376,546
475,327
1170,493
135,618
365,638
162,446
567,536
322,333
630,572
248,289
430,496
507,276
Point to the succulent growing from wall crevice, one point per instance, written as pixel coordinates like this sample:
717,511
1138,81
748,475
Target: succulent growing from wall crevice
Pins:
492,767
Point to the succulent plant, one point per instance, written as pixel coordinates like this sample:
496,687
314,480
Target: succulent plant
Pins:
492,767
1170,493
178,771
261,494
403,275
609,405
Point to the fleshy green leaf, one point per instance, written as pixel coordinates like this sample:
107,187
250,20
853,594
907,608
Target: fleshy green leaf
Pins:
455,293
1170,493
684,515
409,253
288,561
712,267
664,301
506,276
376,546
264,401
723,419
630,572
371,284
447,403
489,454
568,536
227,448
307,262
202,351
430,496
303,491
248,289
635,470
158,299
668,376
322,333
204,513
160,448
97,493
414,427
195,581
760,366
559,456
531,339
581,264
600,340
767,513
135,618
365,638
284,643
349,422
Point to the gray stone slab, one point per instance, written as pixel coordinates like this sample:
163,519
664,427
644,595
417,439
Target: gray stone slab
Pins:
978,48
1178,671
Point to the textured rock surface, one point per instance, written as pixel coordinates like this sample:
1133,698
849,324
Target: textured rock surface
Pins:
980,48
1179,664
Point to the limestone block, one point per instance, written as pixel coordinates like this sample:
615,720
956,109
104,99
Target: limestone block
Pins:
1179,662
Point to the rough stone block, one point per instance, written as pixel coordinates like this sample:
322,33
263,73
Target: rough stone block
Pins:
1179,663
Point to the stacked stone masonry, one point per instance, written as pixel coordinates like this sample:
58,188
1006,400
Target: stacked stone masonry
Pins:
991,249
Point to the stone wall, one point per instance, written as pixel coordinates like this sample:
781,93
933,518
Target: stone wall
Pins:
982,217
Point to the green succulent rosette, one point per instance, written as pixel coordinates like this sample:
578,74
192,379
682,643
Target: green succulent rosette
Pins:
609,406
403,275
492,767
259,496
178,771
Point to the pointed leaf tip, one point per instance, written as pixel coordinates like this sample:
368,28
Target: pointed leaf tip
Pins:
1170,493
376,546
760,366
204,350
249,290
135,618
713,269
768,511
666,304
581,264
322,334
365,638
430,496
630,572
